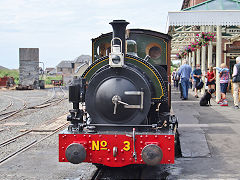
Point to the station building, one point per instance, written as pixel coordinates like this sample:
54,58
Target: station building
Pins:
221,17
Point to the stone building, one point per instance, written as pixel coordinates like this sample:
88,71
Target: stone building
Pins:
81,63
65,67
82,59
73,67
50,70
29,67
68,69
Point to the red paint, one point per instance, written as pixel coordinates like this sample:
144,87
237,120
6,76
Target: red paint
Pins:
123,158
4,80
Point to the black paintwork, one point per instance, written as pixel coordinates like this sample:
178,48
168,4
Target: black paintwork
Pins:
115,81
105,82
119,29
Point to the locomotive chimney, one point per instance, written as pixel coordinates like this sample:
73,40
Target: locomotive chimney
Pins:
119,29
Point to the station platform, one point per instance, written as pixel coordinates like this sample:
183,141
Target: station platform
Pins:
209,138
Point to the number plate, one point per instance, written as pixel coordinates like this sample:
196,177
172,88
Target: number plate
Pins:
104,145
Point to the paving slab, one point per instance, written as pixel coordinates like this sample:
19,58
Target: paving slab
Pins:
192,139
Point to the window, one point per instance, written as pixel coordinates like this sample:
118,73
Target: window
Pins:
153,50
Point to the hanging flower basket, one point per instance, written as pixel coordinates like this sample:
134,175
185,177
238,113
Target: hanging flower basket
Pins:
189,49
205,37
179,56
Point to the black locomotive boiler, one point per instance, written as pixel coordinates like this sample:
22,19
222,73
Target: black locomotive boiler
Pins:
121,104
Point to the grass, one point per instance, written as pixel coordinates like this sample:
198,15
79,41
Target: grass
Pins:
48,79
15,75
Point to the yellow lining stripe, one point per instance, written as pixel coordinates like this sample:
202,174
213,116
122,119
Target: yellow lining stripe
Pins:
95,65
154,75
139,62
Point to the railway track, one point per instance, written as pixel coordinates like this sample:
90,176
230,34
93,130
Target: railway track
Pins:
28,145
5,115
110,173
8,106
53,100
160,172
13,138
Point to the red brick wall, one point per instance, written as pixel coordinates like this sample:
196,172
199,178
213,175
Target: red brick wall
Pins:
222,60
194,2
230,48
236,43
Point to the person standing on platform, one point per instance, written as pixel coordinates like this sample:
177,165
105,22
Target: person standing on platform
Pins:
211,78
224,83
174,77
197,74
184,73
236,82
179,84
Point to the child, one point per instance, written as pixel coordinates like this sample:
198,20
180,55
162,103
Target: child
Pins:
224,83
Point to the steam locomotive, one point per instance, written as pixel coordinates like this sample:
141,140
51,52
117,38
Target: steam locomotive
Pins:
121,104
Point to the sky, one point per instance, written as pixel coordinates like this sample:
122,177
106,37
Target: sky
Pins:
63,29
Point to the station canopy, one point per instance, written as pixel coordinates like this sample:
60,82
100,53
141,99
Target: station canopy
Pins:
204,18
185,24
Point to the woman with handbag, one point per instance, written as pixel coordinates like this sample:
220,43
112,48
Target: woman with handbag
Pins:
236,82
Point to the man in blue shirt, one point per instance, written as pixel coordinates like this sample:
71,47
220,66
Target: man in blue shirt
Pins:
184,72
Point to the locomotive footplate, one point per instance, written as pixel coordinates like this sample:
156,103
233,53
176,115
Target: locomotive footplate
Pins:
117,149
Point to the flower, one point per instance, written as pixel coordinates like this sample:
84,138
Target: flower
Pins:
206,36
202,39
